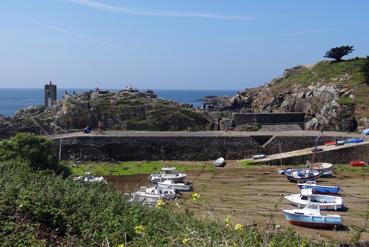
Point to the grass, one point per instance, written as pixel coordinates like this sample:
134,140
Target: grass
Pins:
133,167
344,168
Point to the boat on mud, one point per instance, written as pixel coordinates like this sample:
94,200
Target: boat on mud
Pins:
357,163
324,168
89,178
219,162
325,202
152,194
320,189
168,173
310,216
302,175
176,186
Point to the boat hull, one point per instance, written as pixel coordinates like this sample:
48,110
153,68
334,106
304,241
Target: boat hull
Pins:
312,221
316,189
325,202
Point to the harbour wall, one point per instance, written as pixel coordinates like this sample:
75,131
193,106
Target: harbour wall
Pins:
183,145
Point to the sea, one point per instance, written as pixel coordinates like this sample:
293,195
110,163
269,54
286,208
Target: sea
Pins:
13,99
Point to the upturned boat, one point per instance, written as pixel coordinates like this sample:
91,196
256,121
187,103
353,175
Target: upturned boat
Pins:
324,168
320,189
325,202
219,162
310,216
176,186
302,175
168,173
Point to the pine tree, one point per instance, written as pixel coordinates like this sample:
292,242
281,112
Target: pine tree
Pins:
338,52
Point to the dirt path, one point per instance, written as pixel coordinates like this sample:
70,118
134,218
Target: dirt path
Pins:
252,195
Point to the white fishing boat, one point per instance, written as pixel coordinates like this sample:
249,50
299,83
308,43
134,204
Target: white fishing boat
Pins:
88,177
219,162
326,202
152,194
168,173
310,216
176,186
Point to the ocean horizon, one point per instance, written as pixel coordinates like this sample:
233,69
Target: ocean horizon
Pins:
13,99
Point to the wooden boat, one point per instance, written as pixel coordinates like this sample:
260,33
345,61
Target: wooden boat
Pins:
357,163
302,175
326,202
168,173
320,189
310,216
324,168
176,186
219,162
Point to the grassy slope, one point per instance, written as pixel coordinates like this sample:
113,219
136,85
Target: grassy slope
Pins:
133,167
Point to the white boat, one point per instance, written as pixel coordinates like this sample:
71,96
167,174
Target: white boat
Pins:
168,173
152,194
310,216
326,202
324,168
219,162
176,186
259,156
88,177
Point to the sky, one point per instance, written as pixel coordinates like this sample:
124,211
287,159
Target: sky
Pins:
171,44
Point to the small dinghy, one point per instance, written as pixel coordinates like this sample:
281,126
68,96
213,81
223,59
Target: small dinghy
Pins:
310,216
325,202
219,162
89,178
357,163
320,189
259,156
176,186
168,173
324,168
365,132
301,175
348,141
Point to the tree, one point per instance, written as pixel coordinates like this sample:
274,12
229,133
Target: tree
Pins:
338,52
365,71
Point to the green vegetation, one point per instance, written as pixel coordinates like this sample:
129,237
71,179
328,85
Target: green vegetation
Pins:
365,71
351,169
132,167
338,52
247,163
39,208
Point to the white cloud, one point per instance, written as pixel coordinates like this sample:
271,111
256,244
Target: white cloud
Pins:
157,13
74,34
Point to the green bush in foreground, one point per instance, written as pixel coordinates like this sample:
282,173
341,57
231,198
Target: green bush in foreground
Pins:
41,209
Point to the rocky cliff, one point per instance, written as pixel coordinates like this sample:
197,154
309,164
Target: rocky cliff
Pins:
124,110
331,94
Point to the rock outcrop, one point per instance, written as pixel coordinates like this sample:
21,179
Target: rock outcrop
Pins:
123,110
330,94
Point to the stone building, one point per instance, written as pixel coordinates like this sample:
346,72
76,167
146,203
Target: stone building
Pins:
50,94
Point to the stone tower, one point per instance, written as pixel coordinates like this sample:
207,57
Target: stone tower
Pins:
50,94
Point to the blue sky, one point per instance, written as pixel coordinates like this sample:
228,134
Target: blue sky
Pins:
171,44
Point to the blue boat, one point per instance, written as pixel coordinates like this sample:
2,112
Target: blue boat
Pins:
310,216
302,175
320,189
353,141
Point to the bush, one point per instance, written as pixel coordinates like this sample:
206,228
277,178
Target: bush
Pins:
37,152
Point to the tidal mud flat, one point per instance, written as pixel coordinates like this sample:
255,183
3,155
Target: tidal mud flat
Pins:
254,196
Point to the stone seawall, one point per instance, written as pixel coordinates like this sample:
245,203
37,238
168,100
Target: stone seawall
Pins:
183,145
